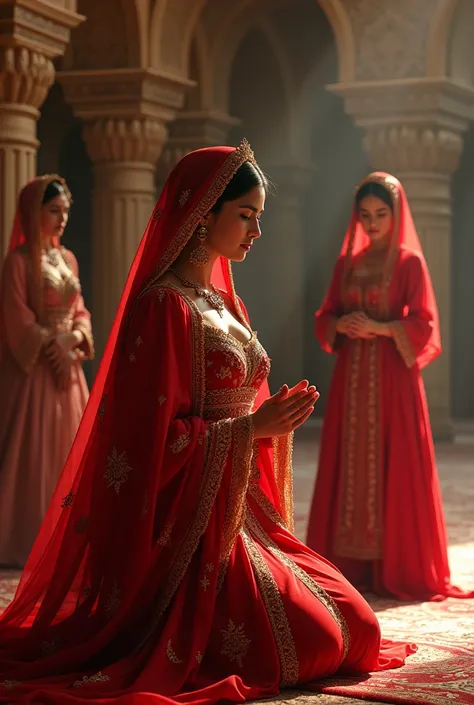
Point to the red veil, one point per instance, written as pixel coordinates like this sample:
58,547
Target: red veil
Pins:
97,577
405,237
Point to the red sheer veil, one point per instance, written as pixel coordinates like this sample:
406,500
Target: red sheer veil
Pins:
404,236
190,191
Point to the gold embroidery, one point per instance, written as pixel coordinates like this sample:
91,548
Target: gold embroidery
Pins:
132,357
48,648
235,643
283,471
198,657
324,598
180,444
205,582
9,684
267,507
359,531
184,197
161,400
242,436
165,536
81,526
171,654
289,664
68,500
403,343
229,403
138,341
118,470
224,372
113,601
210,567
102,408
98,677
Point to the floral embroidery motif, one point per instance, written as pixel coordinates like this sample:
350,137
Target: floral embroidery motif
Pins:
235,643
81,525
132,357
180,444
48,648
138,341
117,470
171,654
113,601
183,199
224,372
161,400
9,684
210,567
68,500
102,409
205,582
98,677
198,657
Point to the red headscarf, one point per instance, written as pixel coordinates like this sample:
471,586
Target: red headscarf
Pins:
27,231
404,235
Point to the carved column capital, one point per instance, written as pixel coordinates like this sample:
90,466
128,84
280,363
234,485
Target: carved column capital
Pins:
25,76
124,139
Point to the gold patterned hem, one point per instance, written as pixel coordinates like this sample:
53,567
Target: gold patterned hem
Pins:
242,456
267,507
256,530
402,342
275,608
283,469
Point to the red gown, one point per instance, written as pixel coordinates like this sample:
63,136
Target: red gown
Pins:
172,574
376,511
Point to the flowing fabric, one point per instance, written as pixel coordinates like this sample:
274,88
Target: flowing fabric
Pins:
376,510
40,412
166,569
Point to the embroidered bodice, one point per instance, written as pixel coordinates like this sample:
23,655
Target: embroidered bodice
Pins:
60,292
234,373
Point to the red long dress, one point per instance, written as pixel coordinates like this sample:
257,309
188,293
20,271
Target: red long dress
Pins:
172,574
376,511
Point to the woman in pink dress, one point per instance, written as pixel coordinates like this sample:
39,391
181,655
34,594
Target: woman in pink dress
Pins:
45,333
377,511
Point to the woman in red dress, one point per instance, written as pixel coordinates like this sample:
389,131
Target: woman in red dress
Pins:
376,510
167,570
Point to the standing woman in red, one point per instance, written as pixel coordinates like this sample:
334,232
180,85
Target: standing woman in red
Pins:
376,510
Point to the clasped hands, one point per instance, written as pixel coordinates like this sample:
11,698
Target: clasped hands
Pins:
358,325
61,352
285,411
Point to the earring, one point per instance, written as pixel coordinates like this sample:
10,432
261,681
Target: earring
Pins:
200,256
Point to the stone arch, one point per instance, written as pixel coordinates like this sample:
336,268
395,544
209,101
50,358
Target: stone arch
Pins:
118,47
450,49
173,23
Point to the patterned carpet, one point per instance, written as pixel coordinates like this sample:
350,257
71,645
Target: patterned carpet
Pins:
442,672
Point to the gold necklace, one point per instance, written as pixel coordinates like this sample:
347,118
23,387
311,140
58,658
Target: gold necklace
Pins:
213,297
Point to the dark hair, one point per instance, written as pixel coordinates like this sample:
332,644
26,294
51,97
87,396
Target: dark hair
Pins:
53,190
247,177
372,188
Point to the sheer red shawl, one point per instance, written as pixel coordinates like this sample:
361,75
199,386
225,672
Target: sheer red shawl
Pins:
54,573
404,236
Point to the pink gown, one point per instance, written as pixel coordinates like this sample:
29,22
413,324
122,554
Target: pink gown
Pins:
38,419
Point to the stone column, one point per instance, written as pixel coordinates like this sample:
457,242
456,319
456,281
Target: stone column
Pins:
29,40
125,114
413,129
